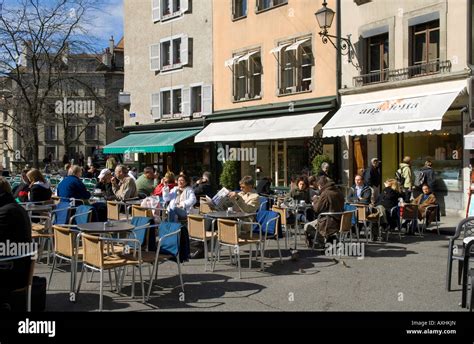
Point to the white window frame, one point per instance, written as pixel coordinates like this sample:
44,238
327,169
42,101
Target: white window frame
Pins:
158,8
296,66
184,52
171,115
245,56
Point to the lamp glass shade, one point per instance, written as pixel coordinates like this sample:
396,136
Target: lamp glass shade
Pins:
325,16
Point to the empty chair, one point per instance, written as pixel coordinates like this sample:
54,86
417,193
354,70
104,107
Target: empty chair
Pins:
168,249
464,229
429,210
267,226
197,232
228,236
96,258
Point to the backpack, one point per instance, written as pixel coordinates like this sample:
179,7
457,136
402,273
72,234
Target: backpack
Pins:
420,179
399,177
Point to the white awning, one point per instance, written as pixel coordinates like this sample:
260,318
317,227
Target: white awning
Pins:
295,45
272,128
469,141
408,109
278,49
247,56
230,62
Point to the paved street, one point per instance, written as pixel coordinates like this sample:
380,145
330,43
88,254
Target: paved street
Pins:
406,275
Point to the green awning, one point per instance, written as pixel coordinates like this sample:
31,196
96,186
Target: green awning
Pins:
149,142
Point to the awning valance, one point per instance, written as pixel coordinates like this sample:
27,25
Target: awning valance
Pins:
149,142
409,109
271,128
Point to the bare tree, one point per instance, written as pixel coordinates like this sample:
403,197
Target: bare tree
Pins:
36,38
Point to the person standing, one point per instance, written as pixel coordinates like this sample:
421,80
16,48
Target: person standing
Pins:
373,177
405,178
429,175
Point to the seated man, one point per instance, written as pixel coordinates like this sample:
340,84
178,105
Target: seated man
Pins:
246,200
331,199
72,186
424,200
123,185
359,193
203,187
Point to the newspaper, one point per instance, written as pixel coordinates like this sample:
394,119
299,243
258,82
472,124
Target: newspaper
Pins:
221,201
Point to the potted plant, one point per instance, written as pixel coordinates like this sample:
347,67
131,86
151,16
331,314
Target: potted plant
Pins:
230,175
318,160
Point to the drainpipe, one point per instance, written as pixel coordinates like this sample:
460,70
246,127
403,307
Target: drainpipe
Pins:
338,53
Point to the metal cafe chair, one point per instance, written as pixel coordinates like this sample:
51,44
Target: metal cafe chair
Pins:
197,232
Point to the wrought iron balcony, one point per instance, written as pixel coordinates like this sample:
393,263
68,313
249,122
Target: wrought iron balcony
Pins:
387,75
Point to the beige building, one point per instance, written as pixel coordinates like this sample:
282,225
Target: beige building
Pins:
274,84
410,94
168,79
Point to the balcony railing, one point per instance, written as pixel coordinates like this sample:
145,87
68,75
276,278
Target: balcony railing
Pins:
387,75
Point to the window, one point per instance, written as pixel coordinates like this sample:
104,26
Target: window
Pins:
171,103
296,66
425,48
72,132
50,133
50,150
361,2
91,133
266,4
171,53
377,58
247,75
167,9
196,100
239,9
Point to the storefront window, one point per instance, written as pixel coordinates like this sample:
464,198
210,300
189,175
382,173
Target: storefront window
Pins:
443,148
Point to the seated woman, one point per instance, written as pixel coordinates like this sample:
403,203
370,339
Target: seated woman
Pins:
302,193
168,180
181,199
40,189
424,200
387,200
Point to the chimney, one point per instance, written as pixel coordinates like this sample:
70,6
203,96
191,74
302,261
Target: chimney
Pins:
111,45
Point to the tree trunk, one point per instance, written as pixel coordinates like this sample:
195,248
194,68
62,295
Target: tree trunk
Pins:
35,147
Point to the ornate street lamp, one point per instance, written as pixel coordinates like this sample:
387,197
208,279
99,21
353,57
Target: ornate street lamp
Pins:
325,16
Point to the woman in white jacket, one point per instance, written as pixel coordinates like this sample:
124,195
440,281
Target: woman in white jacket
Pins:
181,199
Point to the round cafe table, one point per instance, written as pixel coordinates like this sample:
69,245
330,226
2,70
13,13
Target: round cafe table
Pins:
229,215
101,227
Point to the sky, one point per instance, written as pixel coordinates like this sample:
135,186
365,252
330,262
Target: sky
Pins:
107,23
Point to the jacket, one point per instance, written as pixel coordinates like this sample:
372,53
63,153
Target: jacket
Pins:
248,202
388,198
430,176
301,195
16,228
126,189
172,198
20,192
159,189
73,187
264,186
330,200
40,192
203,189
407,173
106,190
365,195
431,200
145,185
372,176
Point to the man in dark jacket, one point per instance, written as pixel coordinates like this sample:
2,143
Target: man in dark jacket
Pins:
15,227
331,199
359,193
373,176
72,186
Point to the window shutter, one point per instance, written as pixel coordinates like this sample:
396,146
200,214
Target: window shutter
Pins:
55,132
155,10
184,5
184,50
186,102
206,99
155,106
155,57
233,9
